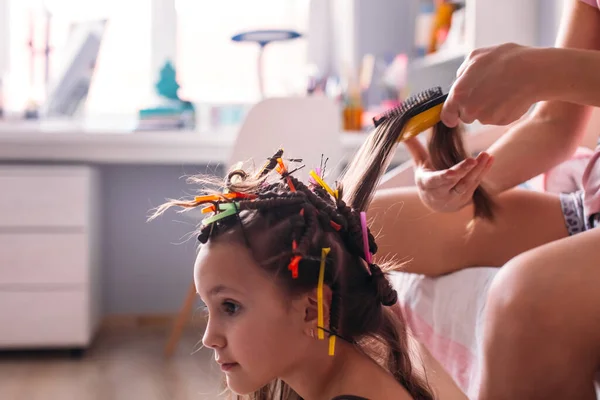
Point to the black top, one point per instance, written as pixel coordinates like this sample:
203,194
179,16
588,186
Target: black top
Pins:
349,397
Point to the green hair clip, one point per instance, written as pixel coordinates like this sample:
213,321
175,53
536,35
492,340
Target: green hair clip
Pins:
227,210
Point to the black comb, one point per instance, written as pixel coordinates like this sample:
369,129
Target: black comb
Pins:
414,105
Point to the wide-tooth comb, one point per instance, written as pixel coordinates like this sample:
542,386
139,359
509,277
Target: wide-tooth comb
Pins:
420,112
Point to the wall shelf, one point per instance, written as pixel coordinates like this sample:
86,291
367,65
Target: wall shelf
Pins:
487,23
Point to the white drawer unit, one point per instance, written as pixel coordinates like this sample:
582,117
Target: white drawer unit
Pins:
49,267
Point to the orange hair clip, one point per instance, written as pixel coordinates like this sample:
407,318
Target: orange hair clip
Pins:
208,209
281,169
217,198
230,196
335,226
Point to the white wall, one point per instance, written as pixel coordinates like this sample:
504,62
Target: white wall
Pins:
4,36
550,14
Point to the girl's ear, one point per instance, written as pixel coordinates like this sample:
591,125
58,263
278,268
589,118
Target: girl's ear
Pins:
311,309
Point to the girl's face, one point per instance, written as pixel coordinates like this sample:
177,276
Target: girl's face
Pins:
257,333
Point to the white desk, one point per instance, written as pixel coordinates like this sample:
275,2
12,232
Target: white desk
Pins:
33,142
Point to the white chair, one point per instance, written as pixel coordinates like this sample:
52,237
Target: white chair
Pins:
306,128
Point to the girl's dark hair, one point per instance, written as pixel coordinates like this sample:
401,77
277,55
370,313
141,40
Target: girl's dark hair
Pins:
287,218
446,149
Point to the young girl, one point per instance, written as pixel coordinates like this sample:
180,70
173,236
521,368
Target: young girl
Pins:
297,308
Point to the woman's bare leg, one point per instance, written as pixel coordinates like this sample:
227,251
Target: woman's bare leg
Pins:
542,327
438,243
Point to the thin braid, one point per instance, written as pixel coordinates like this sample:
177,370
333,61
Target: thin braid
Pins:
354,228
272,202
344,208
335,312
270,188
322,193
273,194
318,202
342,215
310,230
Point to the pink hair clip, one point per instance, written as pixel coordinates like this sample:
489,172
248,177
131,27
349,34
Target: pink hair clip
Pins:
312,180
365,235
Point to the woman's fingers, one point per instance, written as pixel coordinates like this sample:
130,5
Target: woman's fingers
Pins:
450,114
469,182
417,151
446,178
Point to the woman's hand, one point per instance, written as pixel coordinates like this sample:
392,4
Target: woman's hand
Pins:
451,189
495,85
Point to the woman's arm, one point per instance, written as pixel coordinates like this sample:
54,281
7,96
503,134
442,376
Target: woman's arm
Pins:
552,132
576,73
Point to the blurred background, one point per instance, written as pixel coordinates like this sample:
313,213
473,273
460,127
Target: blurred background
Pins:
107,106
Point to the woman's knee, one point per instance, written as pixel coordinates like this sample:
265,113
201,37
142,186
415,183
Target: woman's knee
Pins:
540,293
539,329
520,297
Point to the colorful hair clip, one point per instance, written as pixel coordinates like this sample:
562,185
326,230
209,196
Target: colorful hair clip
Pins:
320,313
365,235
282,170
208,209
318,172
294,266
216,198
209,197
332,345
322,183
335,226
219,197
227,209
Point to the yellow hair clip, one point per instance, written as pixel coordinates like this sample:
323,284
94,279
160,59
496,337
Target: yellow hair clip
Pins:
322,183
332,345
320,316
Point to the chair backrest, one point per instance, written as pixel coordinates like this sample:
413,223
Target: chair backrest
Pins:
305,127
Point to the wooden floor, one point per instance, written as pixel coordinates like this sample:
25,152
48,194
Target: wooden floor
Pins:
122,364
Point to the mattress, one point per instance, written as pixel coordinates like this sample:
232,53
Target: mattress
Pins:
446,315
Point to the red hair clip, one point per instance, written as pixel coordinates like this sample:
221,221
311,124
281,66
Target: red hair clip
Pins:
294,266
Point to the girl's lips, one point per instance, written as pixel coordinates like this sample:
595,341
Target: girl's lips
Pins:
228,366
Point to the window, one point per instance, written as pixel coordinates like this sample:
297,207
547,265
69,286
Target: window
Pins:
120,80
213,68
210,66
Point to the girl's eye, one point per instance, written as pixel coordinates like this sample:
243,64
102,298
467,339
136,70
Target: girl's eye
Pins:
230,308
